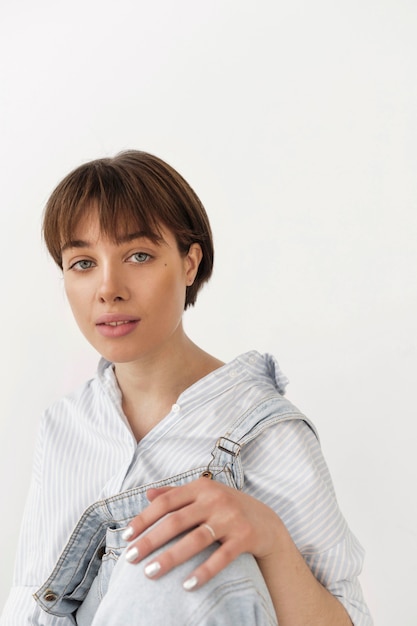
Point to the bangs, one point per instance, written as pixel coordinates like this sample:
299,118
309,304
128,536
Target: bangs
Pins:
122,206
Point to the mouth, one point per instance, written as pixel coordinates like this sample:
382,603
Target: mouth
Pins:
116,319
113,325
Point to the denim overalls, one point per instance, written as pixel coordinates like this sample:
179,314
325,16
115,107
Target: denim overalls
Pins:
91,585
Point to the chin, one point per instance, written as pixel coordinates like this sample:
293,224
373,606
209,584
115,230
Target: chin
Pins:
118,356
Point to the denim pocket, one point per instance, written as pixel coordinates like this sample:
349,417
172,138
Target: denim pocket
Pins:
114,547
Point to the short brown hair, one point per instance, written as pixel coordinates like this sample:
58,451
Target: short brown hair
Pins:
131,189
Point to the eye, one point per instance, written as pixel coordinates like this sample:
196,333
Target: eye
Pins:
140,257
81,266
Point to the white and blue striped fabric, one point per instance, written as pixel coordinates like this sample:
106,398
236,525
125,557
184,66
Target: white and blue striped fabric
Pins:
86,451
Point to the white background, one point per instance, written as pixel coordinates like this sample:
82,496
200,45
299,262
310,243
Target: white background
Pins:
295,122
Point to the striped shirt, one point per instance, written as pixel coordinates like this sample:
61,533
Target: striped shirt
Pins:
86,451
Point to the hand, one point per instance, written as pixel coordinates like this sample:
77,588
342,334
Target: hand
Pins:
206,511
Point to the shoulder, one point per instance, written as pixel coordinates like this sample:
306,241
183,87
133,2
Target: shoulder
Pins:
262,369
259,393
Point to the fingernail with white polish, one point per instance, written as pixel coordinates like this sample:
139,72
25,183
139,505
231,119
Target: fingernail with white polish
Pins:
127,533
152,569
190,583
132,554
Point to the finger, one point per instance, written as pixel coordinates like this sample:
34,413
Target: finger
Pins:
153,493
171,526
220,559
171,500
186,548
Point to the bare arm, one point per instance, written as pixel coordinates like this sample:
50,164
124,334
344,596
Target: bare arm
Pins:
298,597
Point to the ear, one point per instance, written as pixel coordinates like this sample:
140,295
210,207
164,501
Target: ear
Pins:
192,262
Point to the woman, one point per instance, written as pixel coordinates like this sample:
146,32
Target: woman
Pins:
172,488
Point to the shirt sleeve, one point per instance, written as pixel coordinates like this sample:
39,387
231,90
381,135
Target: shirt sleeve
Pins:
293,479
30,568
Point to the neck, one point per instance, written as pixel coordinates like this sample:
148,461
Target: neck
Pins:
152,385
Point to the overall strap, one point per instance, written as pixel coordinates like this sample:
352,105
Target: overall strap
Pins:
268,411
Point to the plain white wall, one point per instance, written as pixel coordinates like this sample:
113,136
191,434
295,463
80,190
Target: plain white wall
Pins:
296,124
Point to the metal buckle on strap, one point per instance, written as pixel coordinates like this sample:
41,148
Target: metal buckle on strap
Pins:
229,446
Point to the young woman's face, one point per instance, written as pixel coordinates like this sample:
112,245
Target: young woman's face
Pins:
127,297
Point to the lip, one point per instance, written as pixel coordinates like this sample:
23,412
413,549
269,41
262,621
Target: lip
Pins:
115,325
108,318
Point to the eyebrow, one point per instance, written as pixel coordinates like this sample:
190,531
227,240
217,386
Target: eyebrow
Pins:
81,243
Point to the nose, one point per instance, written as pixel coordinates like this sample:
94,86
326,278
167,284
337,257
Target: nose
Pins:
111,287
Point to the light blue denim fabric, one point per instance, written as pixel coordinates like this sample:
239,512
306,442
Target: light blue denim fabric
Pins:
91,583
237,595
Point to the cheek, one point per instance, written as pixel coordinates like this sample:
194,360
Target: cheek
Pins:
169,298
175,285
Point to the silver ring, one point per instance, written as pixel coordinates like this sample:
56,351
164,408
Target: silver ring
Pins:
211,531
